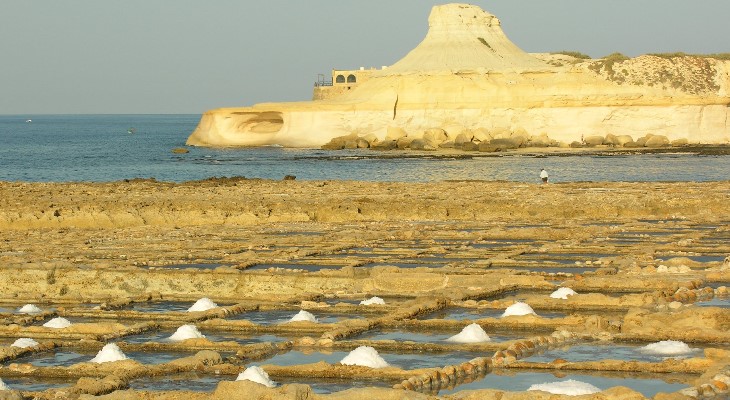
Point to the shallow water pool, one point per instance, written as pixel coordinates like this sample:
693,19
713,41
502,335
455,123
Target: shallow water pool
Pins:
190,381
282,316
461,314
429,337
37,384
521,381
163,335
601,351
407,361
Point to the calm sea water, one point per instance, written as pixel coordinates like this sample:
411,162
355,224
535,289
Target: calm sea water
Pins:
59,148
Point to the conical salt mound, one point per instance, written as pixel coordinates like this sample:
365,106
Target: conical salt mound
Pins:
203,304
109,353
256,374
365,356
471,334
465,37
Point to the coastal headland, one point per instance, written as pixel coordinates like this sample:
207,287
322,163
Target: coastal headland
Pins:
467,86
647,261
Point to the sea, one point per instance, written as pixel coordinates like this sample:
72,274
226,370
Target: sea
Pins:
104,148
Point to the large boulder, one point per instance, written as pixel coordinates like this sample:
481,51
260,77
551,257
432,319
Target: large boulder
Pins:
421,144
362,143
657,141
611,140
622,140
342,142
470,146
592,141
385,145
395,133
404,142
482,135
539,141
509,143
435,136
461,138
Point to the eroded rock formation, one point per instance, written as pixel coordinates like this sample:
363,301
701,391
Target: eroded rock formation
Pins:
468,80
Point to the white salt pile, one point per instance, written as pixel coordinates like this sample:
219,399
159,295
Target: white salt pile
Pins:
569,388
667,348
256,374
203,304
58,322
24,342
365,356
373,300
29,309
562,293
471,334
518,308
186,332
109,353
3,386
303,316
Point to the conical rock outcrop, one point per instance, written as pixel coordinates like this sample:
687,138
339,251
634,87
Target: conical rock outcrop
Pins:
469,82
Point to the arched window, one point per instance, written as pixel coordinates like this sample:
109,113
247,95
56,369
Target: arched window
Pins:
340,79
351,79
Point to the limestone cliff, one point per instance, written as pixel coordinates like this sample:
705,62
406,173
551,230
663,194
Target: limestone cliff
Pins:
466,77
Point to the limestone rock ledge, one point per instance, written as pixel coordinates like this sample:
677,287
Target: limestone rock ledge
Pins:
467,78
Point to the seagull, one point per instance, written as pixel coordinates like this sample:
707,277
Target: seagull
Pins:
28,120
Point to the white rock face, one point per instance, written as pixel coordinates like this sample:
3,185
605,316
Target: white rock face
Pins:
365,356
109,353
3,386
303,316
518,308
569,387
58,323
562,293
24,342
667,348
29,309
467,70
203,304
186,332
470,334
256,374
373,301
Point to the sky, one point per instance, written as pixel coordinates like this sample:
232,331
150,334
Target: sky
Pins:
188,56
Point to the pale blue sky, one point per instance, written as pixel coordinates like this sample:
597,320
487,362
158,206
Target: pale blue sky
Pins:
185,56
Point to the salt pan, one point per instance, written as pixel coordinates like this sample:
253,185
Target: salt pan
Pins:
471,334
186,332
256,374
29,309
569,387
373,300
3,386
667,348
365,356
24,342
303,316
563,293
203,304
58,322
109,353
518,308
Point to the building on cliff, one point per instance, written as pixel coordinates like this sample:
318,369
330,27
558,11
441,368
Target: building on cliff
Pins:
466,82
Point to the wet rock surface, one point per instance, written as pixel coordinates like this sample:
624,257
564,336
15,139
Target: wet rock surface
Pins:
125,261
